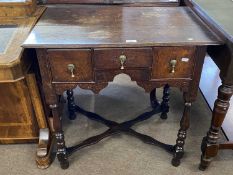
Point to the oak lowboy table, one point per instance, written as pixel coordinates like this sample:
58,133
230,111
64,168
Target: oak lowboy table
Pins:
218,16
87,46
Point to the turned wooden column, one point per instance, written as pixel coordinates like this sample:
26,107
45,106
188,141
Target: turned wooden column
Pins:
165,102
71,104
223,57
182,133
59,134
210,145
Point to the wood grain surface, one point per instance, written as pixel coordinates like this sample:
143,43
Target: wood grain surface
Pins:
81,59
137,2
184,66
21,8
113,26
19,119
135,58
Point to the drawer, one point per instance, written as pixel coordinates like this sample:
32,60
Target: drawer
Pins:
135,75
60,59
181,57
110,58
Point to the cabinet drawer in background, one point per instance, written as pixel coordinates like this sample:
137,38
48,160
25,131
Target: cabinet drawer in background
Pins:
135,58
80,59
163,58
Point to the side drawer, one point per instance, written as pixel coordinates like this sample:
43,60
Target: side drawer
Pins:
110,58
80,59
173,62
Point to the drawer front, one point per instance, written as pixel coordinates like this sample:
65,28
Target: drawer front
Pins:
135,75
62,63
110,58
173,62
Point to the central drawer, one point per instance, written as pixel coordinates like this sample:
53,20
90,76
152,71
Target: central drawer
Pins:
111,58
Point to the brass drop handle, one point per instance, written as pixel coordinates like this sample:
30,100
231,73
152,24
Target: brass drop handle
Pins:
173,65
122,59
71,68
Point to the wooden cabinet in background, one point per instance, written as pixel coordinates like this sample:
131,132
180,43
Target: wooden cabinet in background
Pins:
22,115
17,8
17,119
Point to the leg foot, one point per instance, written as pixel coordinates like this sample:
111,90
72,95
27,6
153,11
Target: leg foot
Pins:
163,116
181,136
165,102
64,165
204,163
175,162
179,148
59,135
61,150
71,104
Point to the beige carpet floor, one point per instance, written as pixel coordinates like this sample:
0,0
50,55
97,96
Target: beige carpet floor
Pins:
122,154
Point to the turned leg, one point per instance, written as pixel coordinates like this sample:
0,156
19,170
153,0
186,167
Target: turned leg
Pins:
71,104
165,102
153,100
184,125
61,148
210,145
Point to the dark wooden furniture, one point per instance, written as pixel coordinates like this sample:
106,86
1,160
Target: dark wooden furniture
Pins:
87,46
210,91
218,15
119,2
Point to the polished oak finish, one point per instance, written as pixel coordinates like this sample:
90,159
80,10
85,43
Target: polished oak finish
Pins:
19,120
120,2
183,66
81,59
110,58
217,15
81,27
74,49
21,109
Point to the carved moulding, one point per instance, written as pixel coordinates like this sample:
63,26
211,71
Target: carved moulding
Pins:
96,87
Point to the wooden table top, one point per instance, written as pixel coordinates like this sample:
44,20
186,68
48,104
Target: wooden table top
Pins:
84,26
111,1
220,12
